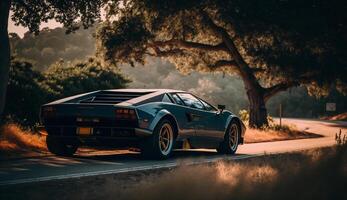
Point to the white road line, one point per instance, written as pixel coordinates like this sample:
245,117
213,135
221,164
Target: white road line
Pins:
125,170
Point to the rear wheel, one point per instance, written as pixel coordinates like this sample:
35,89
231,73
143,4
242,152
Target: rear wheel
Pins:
160,144
59,147
231,140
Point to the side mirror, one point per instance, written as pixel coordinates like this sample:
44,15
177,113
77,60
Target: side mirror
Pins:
221,108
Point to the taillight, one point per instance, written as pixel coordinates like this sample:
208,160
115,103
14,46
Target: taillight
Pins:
126,114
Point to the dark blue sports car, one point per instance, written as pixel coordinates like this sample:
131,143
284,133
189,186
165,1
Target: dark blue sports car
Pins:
153,120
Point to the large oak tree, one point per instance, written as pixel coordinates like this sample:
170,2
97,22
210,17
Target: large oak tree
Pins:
30,14
272,45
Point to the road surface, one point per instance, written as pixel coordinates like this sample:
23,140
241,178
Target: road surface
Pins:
109,162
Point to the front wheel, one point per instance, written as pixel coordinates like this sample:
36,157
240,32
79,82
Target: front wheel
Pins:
160,144
59,147
231,140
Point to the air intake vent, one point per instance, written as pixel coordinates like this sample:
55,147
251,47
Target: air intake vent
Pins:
109,97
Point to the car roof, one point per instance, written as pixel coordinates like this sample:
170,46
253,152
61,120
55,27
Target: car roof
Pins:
151,93
145,90
148,93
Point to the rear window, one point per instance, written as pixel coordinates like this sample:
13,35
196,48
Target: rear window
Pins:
112,97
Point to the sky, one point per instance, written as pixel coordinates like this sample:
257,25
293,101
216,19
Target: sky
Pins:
20,30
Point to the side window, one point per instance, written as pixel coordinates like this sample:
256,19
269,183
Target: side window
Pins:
208,107
166,98
177,99
191,101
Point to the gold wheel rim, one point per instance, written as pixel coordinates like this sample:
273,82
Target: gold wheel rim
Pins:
233,137
165,139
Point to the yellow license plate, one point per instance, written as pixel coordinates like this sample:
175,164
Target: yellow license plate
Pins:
84,131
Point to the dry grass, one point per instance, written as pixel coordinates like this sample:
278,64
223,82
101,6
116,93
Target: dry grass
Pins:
275,133
14,140
315,174
218,181
318,174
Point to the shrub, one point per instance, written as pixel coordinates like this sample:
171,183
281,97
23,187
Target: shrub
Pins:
66,79
24,93
244,116
28,89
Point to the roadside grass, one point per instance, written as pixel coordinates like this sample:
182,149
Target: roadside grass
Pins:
15,141
314,174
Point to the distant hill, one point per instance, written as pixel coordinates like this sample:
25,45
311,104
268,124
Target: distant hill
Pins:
51,45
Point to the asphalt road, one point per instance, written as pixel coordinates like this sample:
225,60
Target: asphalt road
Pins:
108,162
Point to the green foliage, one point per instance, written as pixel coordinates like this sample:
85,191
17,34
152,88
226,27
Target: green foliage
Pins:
296,42
122,45
28,89
72,14
214,87
25,94
66,79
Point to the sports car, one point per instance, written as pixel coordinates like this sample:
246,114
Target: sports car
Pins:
154,121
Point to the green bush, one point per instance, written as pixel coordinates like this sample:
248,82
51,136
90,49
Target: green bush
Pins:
24,93
28,89
66,79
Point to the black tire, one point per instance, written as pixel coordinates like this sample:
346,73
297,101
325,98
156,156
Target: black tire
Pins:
231,139
59,148
152,146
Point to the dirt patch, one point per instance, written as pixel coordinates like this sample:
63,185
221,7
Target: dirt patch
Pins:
339,117
314,174
271,135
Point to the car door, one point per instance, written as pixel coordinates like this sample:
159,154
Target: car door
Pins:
193,111
214,122
185,116
200,119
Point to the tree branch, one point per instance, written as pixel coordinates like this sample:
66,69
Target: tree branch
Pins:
258,70
165,53
251,83
190,45
271,91
223,63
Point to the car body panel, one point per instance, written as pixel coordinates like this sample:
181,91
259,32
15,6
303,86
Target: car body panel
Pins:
202,128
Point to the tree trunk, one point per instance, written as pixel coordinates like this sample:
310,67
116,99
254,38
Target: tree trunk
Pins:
4,53
257,109
255,92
